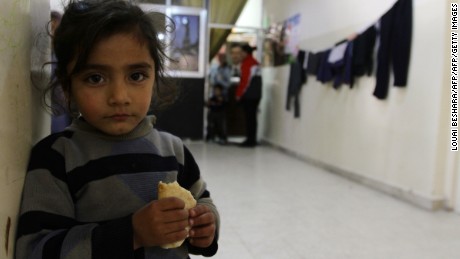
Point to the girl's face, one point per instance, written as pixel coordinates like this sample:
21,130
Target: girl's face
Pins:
114,90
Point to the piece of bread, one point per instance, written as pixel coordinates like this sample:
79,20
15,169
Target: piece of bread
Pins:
173,189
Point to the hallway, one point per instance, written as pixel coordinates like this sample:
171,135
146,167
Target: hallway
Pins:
276,206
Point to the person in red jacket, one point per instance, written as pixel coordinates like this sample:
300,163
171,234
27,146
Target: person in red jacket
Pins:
248,93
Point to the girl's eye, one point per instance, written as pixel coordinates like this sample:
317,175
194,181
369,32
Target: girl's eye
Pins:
138,76
95,79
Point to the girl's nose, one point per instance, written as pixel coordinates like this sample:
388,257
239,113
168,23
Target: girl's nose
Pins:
118,93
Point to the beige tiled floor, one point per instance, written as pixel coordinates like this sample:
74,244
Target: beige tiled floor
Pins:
275,206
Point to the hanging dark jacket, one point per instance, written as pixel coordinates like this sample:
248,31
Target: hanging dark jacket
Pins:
297,77
394,47
363,52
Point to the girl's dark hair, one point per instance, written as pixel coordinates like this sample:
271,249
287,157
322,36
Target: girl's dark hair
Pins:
86,22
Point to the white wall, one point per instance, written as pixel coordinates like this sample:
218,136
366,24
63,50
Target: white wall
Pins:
22,120
395,144
58,5
251,15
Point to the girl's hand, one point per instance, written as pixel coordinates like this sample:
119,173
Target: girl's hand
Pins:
160,222
203,226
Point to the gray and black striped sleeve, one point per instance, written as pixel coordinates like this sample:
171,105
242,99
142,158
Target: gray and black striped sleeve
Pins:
47,227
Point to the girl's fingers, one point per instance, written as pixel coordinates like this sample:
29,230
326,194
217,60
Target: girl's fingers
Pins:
203,232
203,219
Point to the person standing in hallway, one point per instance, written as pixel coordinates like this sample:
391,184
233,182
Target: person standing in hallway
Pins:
216,116
236,55
249,93
91,191
221,75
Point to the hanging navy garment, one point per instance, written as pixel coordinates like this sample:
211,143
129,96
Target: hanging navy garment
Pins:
324,73
336,65
341,66
297,77
313,62
363,52
394,50
347,75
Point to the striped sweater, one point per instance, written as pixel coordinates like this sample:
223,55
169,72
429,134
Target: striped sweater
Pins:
82,188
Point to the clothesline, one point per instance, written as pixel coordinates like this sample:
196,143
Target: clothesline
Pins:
388,42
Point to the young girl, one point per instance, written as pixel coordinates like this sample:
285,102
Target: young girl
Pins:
91,191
